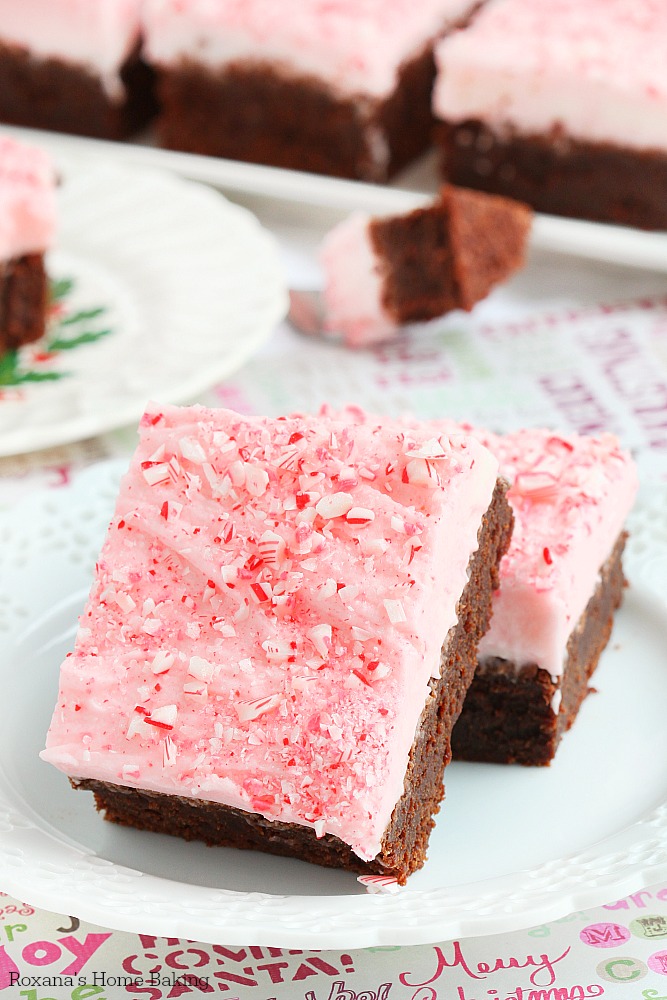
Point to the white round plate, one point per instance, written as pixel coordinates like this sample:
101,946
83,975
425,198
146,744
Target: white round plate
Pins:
513,847
162,289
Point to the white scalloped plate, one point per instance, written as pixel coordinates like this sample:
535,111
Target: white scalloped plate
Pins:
513,847
187,285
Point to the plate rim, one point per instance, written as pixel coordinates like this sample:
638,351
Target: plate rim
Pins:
610,243
616,865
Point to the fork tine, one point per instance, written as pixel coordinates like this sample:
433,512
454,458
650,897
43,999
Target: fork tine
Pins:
306,311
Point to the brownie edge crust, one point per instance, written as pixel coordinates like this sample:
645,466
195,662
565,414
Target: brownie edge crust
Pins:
52,94
405,840
24,293
559,175
260,112
508,718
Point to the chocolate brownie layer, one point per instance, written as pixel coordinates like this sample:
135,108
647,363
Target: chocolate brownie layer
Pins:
52,94
419,285
405,840
559,175
449,255
507,716
23,301
254,112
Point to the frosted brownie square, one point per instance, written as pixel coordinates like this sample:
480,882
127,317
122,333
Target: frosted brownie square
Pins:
385,271
561,583
561,104
27,229
282,627
341,89
74,66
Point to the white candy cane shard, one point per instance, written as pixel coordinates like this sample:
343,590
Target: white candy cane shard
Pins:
335,505
376,884
162,661
247,711
360,515
432,449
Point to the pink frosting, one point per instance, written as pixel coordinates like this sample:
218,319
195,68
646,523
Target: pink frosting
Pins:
27,199
96,34
596,68
267,612
570,496
354,45
353,284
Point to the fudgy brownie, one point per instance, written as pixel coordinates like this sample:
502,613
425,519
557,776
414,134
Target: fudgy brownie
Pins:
281,631
74,67
381,273
340,89
561,582
28,211
560,104
24,299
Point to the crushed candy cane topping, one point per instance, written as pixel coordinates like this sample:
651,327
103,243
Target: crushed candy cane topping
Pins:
570,495
380,884
267,608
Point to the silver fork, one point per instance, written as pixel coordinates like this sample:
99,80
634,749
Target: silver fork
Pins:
306,312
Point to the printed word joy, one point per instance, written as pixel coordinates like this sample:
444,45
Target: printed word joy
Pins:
49,953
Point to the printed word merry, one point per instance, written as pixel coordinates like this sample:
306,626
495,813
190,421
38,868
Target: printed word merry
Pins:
542,966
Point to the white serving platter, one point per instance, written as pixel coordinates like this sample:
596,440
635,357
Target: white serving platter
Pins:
596,241
513,847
